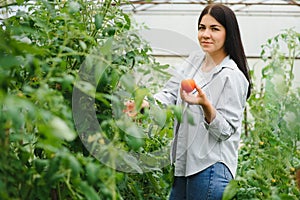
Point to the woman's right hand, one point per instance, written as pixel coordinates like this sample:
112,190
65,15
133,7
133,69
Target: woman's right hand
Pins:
130,109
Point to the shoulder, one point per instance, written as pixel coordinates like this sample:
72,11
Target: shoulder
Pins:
196,55
233,75
194,59
231,70
190,63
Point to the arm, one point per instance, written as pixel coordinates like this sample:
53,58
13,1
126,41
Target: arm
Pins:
223,119
170,92
200,99
167,96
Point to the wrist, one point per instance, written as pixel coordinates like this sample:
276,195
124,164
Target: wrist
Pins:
205,103
209,111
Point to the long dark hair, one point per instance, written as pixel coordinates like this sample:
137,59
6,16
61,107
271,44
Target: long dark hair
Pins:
233,43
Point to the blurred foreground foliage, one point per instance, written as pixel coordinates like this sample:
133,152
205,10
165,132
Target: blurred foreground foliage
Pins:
73,61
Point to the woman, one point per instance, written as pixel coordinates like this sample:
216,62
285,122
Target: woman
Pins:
205,152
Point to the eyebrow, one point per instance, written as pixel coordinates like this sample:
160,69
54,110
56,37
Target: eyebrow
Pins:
212,26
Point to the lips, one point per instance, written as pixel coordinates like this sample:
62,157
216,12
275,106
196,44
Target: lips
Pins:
206,43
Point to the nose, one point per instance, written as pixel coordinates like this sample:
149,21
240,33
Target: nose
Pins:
206,33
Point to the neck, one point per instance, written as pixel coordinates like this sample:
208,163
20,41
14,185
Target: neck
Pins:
212,61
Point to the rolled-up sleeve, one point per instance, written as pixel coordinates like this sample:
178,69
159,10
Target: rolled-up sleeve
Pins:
229,108
168,95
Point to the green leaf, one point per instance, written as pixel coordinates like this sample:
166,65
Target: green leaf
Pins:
177,110
82,44
134,142
9,61
88,191
114,78
19,2
106,47
61,130
132,162
40,164
128,21
98,21
92,172
231,190
140,94
134,131
73,164
86,88
128,81
190,117
74,7
159,115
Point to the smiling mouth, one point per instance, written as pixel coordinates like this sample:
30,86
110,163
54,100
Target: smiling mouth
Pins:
206,43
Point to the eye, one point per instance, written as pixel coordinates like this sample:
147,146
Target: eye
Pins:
215,29
201,27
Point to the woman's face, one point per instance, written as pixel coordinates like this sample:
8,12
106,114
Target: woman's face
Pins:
211,35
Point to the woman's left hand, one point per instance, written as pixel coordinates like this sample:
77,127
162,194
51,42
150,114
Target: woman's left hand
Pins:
199,98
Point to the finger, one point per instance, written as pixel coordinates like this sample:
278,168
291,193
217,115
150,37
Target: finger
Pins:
129,106
183,94
199,90
145,104
126,103
131,114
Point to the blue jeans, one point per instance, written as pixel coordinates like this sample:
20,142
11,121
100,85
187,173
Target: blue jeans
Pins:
208,184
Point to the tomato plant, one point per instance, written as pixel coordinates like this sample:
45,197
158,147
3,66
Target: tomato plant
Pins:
270,154
49,50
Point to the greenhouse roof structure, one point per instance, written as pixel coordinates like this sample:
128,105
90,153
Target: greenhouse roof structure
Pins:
241,7
259,20
172,31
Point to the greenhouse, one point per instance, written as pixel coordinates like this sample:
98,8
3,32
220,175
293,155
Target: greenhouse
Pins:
104,99
258,20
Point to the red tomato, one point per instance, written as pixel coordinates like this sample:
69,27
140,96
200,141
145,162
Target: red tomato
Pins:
188,85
